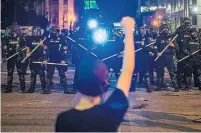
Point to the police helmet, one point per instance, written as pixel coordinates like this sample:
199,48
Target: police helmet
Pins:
14,28
36,30
164,29
186,21
54,29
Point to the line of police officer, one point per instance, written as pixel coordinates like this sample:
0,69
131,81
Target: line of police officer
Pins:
54,48
187,42
51,47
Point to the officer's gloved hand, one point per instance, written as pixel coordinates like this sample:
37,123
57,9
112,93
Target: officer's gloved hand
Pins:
3,60
186,52
63,62
151,54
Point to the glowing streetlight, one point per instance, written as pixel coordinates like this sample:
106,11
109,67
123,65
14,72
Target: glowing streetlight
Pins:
92,24
195,9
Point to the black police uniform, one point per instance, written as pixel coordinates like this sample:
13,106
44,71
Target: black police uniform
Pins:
142,63
39,55
57,52
182,40
183,43
15,44
193,63
151,38
165,60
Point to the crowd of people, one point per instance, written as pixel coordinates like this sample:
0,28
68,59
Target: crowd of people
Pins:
154,51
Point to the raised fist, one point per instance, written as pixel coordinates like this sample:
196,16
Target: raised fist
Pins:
128,23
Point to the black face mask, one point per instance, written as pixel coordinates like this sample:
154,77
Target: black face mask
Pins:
13,35
165,32
53,35
187,27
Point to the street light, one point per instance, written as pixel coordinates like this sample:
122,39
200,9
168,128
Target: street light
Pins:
195,9
100,36
92,23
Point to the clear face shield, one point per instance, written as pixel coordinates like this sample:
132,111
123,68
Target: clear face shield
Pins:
187,27
35,32
14,34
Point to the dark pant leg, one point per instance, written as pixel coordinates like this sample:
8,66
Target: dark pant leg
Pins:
197,73
50,73
33,77
42,77
147,82
179,76
10,69
171,70
159,71
151,70
63,79
188,74
21,72
133,82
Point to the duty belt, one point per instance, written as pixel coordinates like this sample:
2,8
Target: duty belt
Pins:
14,42
54,41
36,43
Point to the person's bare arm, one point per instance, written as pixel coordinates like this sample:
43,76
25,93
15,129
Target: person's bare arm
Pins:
124,80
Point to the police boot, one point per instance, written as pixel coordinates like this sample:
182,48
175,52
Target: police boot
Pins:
140,79
22,82
147,83
174,83
47,90
159,83
133,83
163,84
179,81
196,80
43,82
9,82
151,76
64,83
187,83
33,83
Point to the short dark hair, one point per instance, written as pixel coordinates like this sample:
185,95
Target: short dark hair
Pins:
90,76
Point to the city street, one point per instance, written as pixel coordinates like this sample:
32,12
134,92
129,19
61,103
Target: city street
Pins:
163,111
161,33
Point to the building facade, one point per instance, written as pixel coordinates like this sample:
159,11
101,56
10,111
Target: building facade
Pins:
176,10
58,12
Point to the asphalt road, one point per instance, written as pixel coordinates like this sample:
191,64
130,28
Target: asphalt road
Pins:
163,111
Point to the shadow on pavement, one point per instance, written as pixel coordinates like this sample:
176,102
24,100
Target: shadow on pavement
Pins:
148,123
160,116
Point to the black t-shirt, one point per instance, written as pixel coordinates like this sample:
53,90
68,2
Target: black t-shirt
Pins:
101,118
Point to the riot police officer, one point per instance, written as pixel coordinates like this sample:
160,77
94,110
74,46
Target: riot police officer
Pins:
38,55
194,60
142,67
15,43
166,59
57,53
151,36
183,43
180,31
